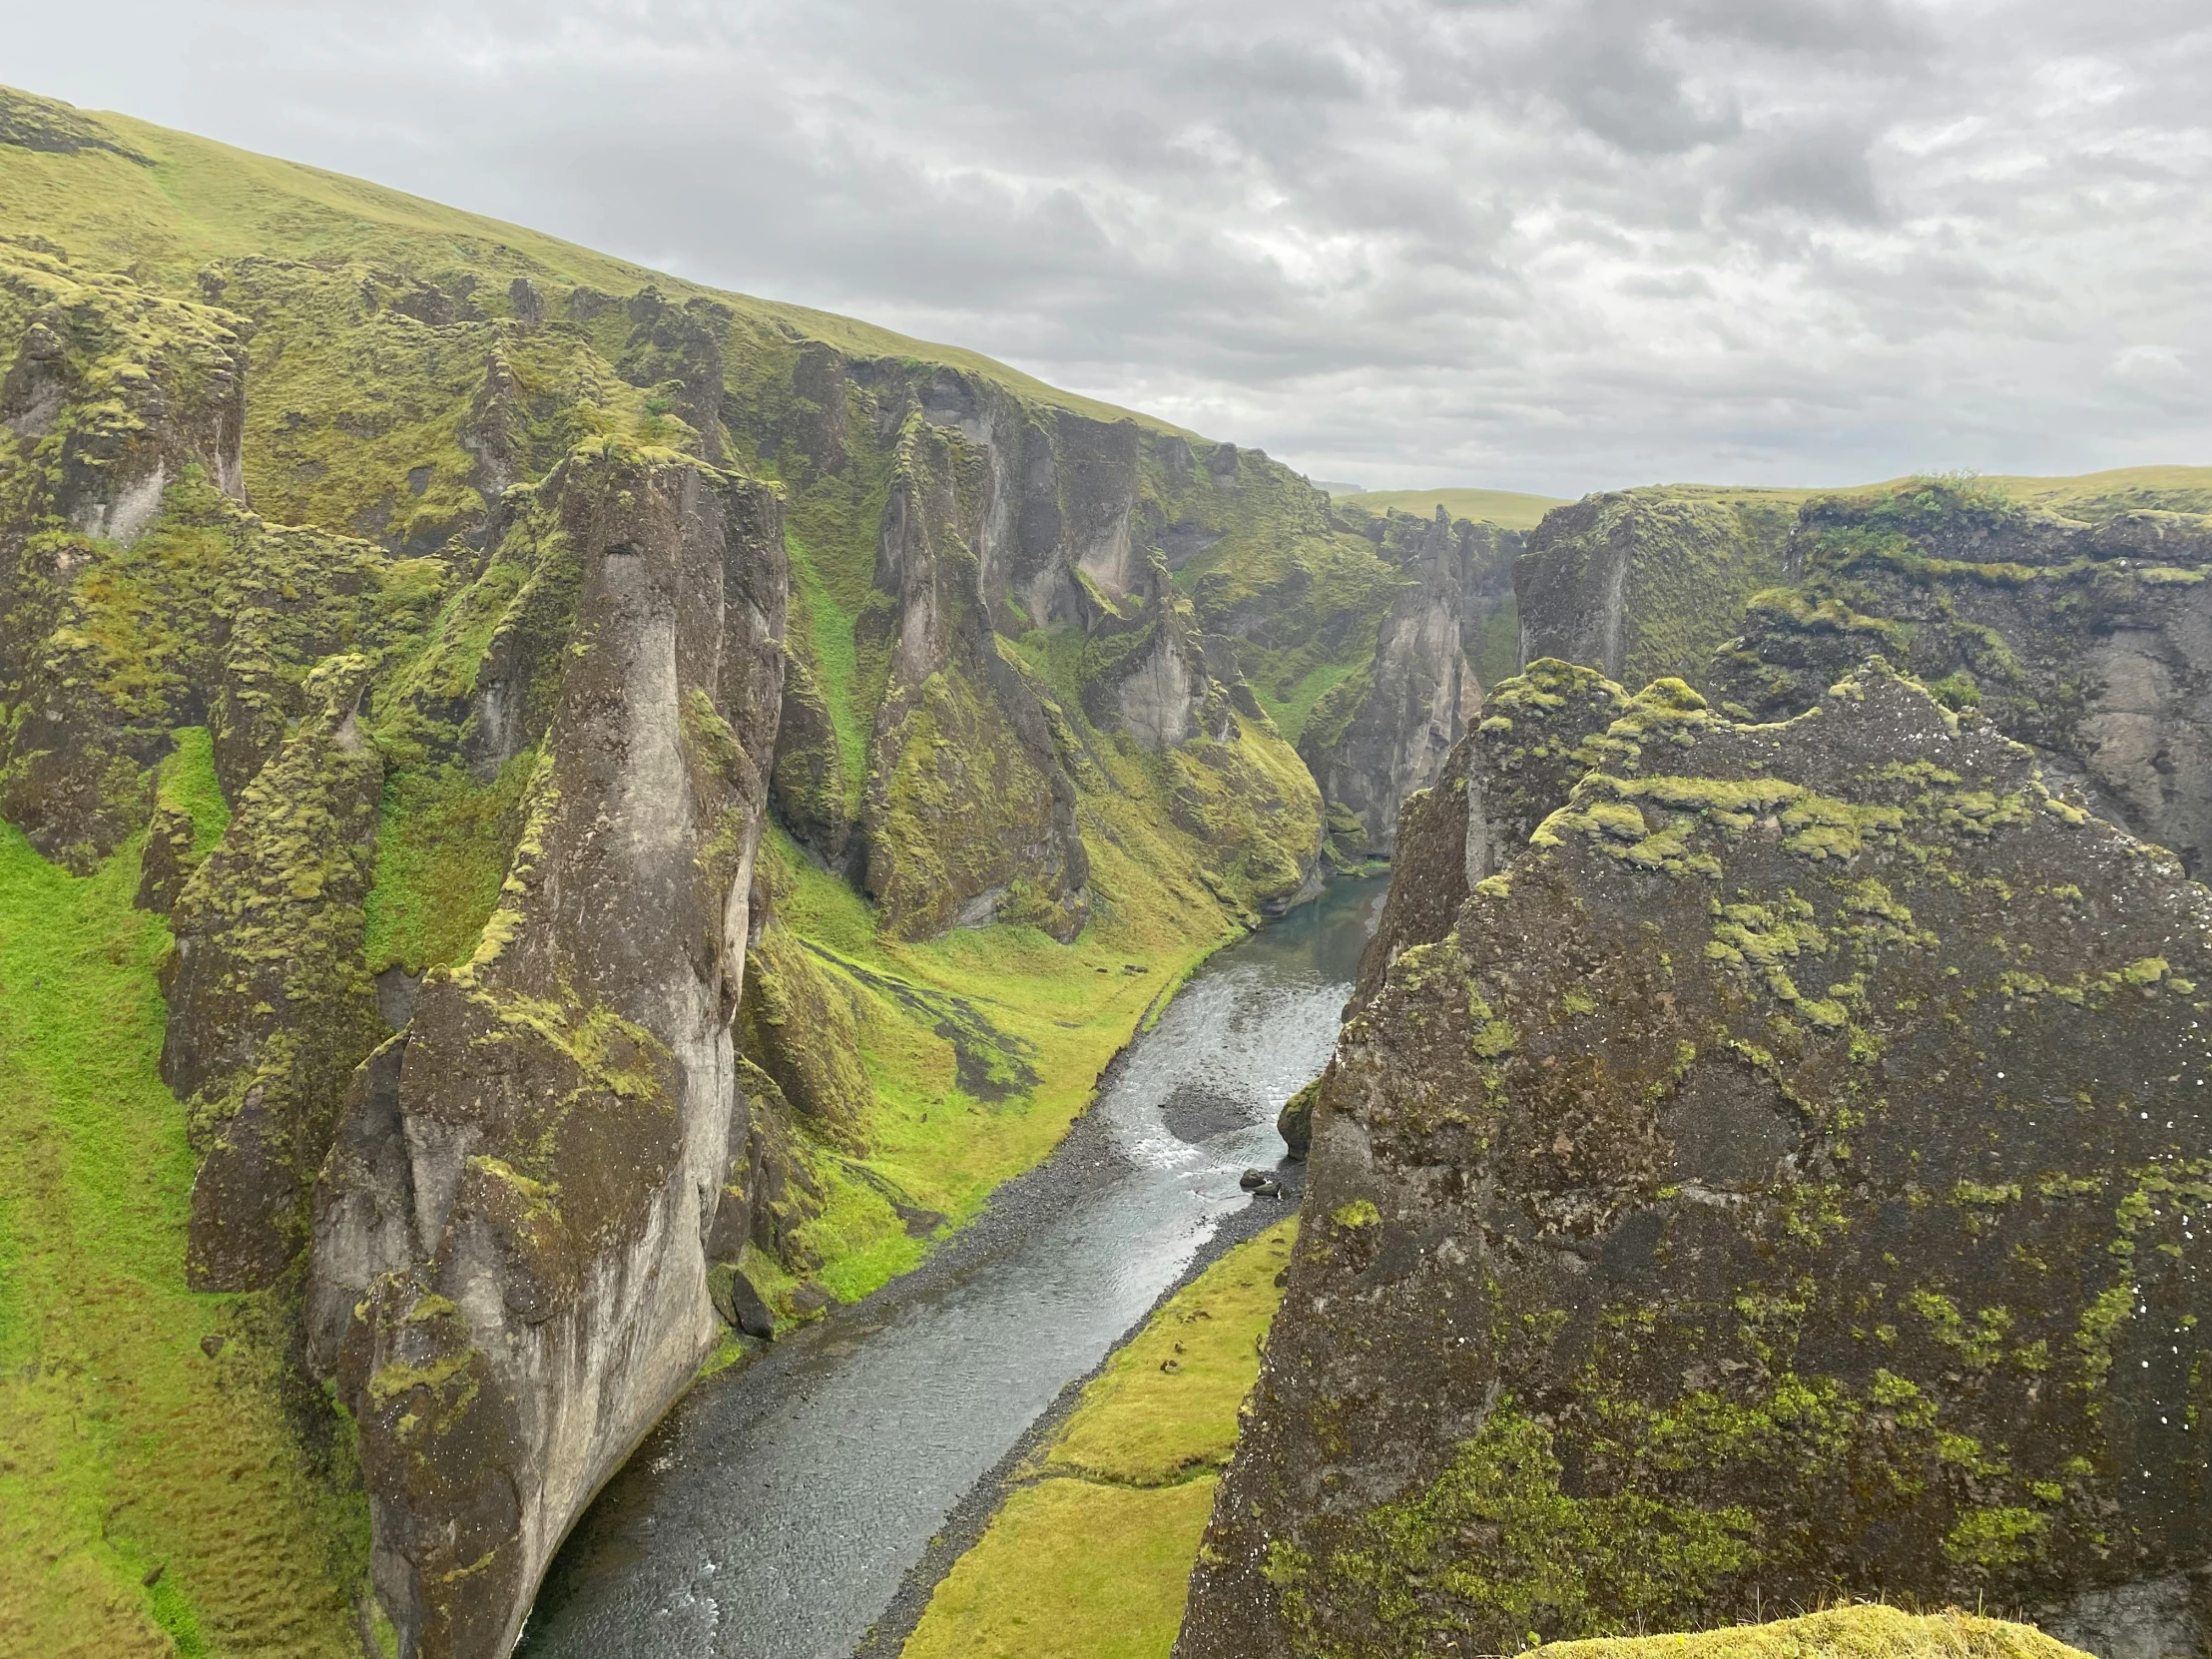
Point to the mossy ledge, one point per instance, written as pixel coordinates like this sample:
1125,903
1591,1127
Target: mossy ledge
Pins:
1776,1182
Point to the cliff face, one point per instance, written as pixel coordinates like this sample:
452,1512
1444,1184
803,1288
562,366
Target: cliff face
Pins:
1779,1182
2089,642
511,1256
533,605
2080,637
1385,731
1027,595
1643,584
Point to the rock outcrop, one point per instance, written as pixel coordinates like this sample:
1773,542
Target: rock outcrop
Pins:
2089,642
1537,742
1643,584
271,1007
970,811
511,1247
1386,730
1783,1178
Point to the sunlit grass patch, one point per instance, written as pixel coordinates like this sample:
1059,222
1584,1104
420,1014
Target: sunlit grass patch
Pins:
1091,1555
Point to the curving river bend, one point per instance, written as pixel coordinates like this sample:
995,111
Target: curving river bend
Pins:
777,1509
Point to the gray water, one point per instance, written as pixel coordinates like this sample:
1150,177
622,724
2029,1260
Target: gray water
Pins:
774,1512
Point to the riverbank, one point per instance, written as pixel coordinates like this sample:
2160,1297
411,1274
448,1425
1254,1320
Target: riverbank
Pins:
1088,1552
971,1517
781,1508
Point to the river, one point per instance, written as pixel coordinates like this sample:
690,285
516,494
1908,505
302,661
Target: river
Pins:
775,1510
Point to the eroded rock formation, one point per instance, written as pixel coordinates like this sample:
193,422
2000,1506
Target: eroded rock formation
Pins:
512,1237
1385,731
2092,643
1643,584
1782,1179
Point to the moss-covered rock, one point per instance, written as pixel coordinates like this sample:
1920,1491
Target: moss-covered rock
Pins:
1540,733
1779,1182
2082,640
1863,1632
796,1023
967,795
563,1104
809,785
271,1007
1643,584
1383,732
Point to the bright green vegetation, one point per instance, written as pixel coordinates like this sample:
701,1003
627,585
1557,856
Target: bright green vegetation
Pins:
1507,510
1864,1632
981,1046
399,380
1090,1553
155,1497
2099,495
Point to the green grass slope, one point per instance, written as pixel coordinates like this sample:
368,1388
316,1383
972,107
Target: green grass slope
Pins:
163,1486
1089,1556
161,204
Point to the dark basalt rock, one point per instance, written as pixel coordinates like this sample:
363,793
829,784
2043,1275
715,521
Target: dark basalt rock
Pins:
2092,643
269,1004
1385,731
1487,800
969,814
1786,1179
513,1236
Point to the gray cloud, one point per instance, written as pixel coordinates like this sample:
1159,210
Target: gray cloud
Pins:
1542,244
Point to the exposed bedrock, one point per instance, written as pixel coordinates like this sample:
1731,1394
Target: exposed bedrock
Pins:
1385,731
1642,584
1012,535
136,593
512,1235
969,814
1781,1181
2090,643
269,1004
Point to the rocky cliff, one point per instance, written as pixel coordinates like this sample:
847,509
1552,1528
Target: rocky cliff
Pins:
1779,1179
2072,623
1384,731
677,753
1642,584
514,1234
2091,641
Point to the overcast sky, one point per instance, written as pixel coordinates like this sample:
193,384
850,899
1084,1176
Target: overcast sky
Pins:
1554,245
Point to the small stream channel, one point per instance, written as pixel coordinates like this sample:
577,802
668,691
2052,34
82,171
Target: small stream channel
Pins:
777,1509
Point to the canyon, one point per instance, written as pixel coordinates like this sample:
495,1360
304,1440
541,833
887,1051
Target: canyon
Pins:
563,825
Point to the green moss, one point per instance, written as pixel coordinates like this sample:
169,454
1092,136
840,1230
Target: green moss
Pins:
1295,706
442,845
1166,1404
1556,1561
833,657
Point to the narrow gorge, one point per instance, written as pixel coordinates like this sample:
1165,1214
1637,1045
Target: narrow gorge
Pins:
678,975
658,803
